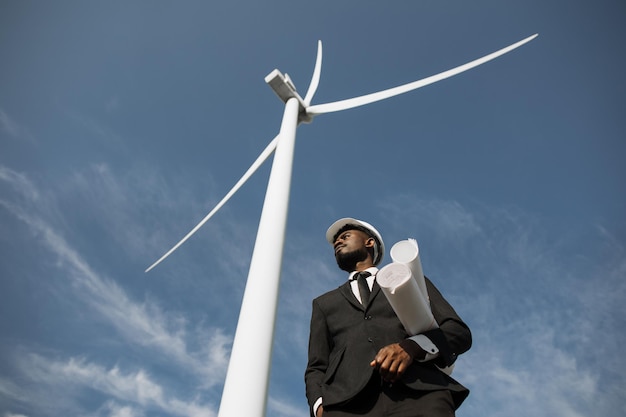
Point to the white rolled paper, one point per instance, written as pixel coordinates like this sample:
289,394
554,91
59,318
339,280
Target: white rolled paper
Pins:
407,252
410,305
408,297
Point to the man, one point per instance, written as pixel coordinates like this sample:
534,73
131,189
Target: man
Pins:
361,360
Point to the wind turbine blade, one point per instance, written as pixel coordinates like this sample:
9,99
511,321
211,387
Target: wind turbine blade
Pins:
259,161
381,95
315,80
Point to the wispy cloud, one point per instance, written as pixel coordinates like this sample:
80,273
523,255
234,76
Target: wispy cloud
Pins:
143,324
13,129
9,389
7,125
137,388
526,366
113,409
21,183
539,302
280,408
536,302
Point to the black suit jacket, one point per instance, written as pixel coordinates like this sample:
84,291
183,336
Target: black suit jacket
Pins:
345,337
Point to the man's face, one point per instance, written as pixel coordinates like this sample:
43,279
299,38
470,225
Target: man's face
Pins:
351,247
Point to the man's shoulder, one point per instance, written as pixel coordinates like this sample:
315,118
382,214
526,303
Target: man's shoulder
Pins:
329,295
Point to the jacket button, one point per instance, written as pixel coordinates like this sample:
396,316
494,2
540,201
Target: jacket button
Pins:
368,317
369,339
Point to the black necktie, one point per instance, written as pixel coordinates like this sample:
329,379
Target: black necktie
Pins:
364,289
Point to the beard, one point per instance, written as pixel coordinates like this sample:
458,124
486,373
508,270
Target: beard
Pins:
347,260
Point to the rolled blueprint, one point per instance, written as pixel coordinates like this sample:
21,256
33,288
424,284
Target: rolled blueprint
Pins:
403,284
407,252
410,305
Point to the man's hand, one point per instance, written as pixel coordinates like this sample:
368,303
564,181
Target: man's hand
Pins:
320,411
391,362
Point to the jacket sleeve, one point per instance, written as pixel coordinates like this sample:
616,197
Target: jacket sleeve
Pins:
319,352
453,337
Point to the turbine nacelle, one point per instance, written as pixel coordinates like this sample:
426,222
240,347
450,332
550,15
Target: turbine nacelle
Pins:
284,89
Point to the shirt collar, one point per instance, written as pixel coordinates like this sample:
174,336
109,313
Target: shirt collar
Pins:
372,270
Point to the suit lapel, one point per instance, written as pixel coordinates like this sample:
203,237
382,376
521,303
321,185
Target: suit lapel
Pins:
375,291
346,291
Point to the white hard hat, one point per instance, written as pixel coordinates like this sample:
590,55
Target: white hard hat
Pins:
379,247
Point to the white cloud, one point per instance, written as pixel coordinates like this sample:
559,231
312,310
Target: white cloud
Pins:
279,408
452,222
7,125
142,211
531,372
544,305
12,129
144,324
136,387
113,409
10,390
20,182
534,302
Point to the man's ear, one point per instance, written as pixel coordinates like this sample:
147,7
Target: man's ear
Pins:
369,243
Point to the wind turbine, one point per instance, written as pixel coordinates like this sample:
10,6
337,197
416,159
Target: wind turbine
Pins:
245,388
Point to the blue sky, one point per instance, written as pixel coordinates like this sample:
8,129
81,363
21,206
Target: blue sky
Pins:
123,123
